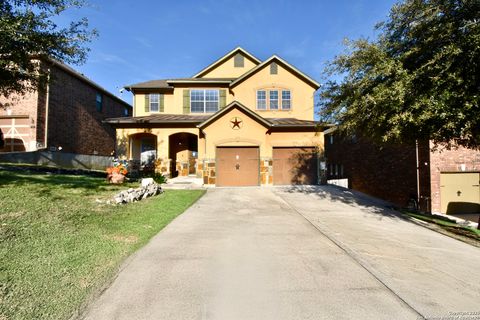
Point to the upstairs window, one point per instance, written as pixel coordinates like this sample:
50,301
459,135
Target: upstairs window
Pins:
154,102
286,100
204,101
262,100
274,100
238,61
99,102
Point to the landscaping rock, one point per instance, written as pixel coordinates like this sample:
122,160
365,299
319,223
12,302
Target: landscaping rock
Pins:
131,195
147,181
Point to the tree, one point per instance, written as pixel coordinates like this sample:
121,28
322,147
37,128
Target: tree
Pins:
419,79
28,33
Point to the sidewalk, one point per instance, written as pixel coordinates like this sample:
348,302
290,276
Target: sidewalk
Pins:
188,182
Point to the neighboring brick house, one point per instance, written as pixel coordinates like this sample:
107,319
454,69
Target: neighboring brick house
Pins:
446,181
238,122
66,114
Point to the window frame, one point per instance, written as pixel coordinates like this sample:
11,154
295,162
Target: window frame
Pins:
277,100
264,99
268,99
205,100
99,102
289,100
151,102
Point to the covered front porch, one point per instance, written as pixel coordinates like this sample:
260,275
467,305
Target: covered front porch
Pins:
169,152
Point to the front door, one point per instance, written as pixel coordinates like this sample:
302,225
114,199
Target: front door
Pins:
237,166
148,152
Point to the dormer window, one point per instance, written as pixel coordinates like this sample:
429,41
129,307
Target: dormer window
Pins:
238,61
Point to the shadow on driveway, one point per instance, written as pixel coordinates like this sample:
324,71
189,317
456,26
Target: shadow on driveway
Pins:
349,197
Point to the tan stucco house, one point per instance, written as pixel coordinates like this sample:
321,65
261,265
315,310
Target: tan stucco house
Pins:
238,122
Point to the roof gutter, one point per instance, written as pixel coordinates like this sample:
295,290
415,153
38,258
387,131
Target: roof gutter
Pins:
199,81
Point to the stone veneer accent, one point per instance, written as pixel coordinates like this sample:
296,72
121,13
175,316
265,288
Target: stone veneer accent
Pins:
163,166
208,171
182,168
266,171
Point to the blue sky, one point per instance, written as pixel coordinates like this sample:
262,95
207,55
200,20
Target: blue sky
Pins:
144,40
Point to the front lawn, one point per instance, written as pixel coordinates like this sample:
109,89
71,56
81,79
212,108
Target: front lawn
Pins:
60,242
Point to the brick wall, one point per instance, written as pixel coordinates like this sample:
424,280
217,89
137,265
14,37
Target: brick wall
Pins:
387,172
443,160
24,105
19,104
74,122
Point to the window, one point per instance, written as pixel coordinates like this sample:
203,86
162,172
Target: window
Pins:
154,102
286,100
261,100
125,111
99,102
238,61
273,100
203,101
273,68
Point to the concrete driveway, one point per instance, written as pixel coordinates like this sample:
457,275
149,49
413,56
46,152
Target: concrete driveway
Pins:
294,253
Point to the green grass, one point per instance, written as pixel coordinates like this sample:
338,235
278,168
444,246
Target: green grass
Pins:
451,226
59,245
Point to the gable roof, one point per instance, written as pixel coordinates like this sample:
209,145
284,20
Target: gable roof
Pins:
85,79
230,106
226,57
276,58
152,84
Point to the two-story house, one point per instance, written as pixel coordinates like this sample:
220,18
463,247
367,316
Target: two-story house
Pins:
65,114
238,122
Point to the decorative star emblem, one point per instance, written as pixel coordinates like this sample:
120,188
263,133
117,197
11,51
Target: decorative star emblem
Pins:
236,123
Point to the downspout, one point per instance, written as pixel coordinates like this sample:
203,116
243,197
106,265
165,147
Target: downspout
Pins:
418,174
134,113
47,105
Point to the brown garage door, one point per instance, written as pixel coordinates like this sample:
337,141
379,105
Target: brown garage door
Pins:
237,166
295,165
